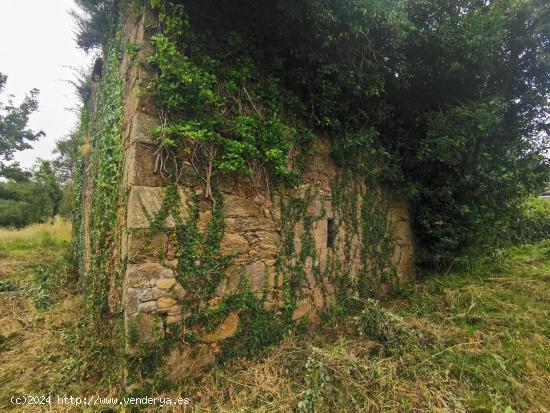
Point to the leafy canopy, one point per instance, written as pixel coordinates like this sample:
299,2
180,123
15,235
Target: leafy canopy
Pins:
14,132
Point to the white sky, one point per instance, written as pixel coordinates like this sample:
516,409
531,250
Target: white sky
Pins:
37,50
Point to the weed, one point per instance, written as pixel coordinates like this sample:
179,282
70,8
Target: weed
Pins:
7,286
47,280
5,341
317,382
488,351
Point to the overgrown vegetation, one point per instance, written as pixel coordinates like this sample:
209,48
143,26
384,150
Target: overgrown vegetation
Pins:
444,103
46,344
480,342
102,187
219,111
456,116
54,234
532,225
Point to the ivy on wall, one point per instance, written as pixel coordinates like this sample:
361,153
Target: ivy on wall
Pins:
101,175
221,114
79,177
363,213
218,111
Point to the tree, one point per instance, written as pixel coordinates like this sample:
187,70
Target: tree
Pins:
66,153
45,177
469,118
93,22
14,173
29,197
14,132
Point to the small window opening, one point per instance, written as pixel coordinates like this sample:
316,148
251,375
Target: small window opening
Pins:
331,233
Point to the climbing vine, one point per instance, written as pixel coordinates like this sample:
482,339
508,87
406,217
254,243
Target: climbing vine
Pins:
219,113
363,212
222,114
78,247
106,197
201,264
377,244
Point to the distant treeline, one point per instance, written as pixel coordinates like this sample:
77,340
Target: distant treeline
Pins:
28,197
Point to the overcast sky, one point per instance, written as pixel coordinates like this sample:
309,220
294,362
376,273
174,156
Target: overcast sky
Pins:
37,50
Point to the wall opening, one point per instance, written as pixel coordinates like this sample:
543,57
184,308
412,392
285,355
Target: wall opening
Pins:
331,233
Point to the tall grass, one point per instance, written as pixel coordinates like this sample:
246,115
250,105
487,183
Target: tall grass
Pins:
47,235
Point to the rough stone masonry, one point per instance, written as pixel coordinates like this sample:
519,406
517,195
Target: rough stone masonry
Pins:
151,294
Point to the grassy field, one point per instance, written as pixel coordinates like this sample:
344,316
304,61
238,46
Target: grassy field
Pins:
27,319
37,236
465,341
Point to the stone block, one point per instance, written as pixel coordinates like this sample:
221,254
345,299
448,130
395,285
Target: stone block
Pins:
405,267
402,232
164,303
318,298
226,329
142,247
147,307
144,203
251,224
187,361
139,166
204,219
139,275
233,243
231,281
151,294
166,283
142,127
319,232
256,273
308,269
174,319
235,206
303,309
268,241
131,300
399,210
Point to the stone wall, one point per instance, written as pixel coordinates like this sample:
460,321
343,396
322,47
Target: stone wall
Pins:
256,228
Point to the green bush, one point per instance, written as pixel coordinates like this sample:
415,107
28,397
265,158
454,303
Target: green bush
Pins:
533,225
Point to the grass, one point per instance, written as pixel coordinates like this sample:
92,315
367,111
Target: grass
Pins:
466,341
47,235
31,282
482,345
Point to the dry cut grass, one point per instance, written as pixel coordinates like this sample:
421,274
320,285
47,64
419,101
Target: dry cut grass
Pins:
483,346
480,343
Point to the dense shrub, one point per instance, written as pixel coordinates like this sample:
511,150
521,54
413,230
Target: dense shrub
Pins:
448,99
533,225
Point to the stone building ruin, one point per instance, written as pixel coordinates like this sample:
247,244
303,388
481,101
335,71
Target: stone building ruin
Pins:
274,244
